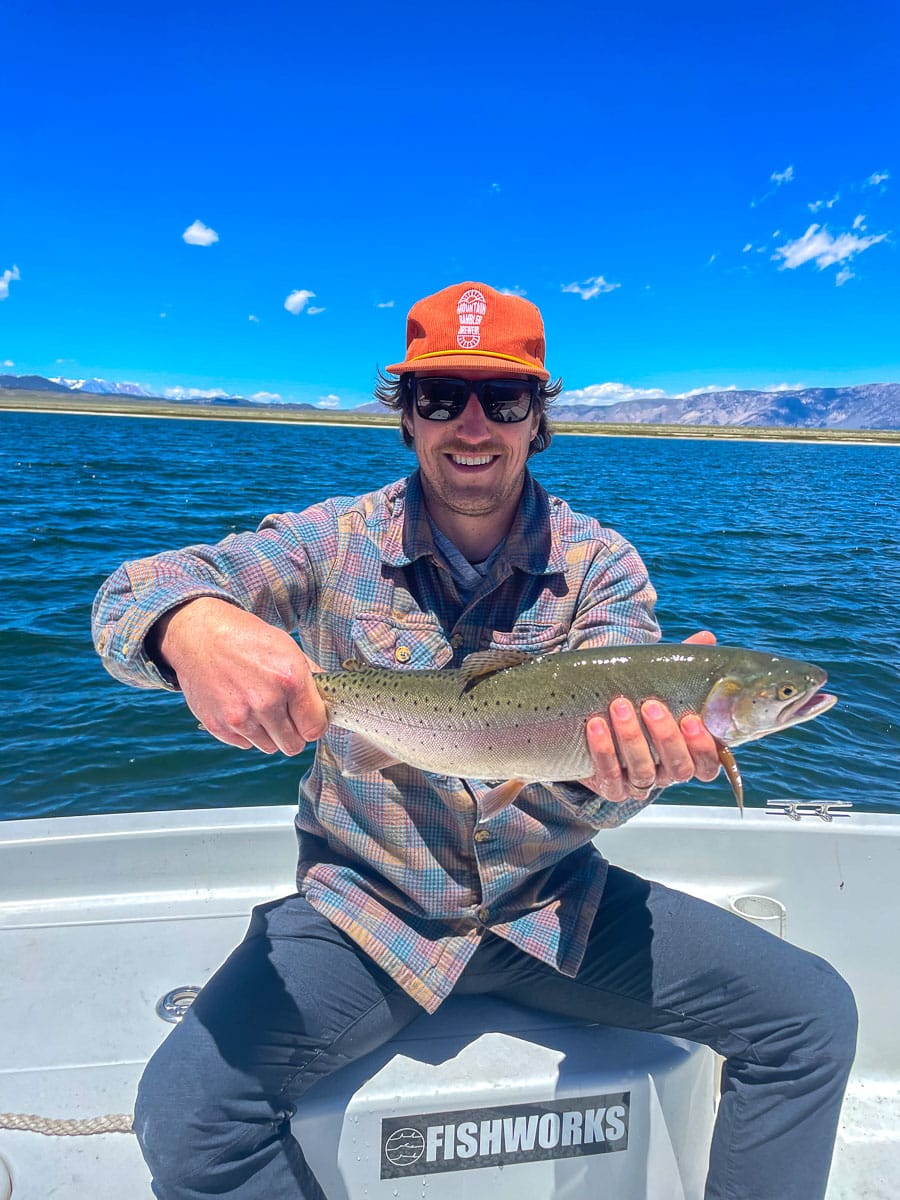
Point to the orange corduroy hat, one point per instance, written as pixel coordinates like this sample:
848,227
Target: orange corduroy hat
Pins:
472,325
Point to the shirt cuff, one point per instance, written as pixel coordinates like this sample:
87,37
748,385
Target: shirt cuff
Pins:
604,814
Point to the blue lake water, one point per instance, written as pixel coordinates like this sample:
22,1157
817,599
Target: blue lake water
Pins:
780,546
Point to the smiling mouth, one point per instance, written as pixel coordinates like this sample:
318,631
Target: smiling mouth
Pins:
472,460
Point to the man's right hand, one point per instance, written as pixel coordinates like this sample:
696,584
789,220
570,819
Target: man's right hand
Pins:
248,683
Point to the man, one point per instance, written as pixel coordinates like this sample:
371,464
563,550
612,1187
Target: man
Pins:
404,893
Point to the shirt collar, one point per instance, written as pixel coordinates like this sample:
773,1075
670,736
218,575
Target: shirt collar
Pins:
530,545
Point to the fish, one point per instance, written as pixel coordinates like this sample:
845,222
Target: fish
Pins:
520,718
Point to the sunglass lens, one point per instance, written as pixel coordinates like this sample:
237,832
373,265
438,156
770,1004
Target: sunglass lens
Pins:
440,399
507,400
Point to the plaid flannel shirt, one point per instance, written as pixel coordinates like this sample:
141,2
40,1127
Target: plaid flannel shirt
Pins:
399,860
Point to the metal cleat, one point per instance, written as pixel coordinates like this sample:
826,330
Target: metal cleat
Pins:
826,810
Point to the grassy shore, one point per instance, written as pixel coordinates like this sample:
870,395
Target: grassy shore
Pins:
120,406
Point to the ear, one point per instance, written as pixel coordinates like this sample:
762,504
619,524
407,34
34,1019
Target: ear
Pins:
406,422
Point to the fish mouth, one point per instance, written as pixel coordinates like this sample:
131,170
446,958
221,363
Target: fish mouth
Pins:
805,709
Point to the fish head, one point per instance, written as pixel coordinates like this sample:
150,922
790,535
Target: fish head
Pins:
763,695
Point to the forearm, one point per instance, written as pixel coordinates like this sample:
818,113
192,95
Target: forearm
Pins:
267,573
616,600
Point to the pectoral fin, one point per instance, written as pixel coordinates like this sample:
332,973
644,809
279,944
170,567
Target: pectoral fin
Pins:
499,797
363,756
729,762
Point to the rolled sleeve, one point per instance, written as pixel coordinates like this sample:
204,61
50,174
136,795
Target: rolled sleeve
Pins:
270,573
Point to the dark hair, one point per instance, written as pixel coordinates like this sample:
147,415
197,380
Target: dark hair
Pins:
395,394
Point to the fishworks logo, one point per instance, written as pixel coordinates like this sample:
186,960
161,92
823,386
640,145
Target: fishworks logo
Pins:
513,1133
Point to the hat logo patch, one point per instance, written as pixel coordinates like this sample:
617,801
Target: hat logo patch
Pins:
470,311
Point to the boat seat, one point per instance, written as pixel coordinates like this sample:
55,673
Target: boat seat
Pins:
524,1102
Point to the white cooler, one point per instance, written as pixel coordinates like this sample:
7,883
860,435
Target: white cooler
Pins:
504,1102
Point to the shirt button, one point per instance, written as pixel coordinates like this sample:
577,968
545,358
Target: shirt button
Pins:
482,835
456,641
484,915
403,654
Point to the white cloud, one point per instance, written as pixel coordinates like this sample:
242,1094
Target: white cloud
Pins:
609,393
199,234
189,393
876,178
860,222
254,319
163,316
817,245
298,300
842,276
8,362
591,287
329,401
266,397
385,304
6,279
747,248
817,204
513,291
314,312
605,394
780,177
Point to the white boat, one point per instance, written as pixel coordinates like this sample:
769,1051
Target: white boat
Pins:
103,916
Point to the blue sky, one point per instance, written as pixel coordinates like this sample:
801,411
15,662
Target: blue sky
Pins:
694,195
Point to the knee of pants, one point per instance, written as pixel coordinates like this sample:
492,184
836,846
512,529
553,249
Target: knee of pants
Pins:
181,1112
824,1018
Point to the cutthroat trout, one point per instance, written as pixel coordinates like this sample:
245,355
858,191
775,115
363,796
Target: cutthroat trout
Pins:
521,718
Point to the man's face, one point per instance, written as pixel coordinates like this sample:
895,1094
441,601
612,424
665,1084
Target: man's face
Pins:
471,465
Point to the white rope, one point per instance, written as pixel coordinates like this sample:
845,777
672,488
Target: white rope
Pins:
31,1123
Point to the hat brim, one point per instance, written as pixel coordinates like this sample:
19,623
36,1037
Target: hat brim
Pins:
463,361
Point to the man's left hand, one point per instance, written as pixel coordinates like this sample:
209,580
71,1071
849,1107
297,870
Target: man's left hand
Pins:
625,765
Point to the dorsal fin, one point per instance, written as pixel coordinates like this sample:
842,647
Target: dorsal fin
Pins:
488,662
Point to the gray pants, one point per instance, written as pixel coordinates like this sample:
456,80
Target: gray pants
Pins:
297,1000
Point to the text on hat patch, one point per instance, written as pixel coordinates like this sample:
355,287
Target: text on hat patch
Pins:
470,310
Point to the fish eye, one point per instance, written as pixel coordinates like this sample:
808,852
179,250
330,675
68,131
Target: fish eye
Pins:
787,691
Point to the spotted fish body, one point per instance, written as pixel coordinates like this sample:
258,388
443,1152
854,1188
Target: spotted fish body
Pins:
508,716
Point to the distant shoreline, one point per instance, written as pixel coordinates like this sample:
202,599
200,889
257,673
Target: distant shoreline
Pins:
15,400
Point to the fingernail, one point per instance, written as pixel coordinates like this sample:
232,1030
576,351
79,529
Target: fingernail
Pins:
621,708
653,709
690,726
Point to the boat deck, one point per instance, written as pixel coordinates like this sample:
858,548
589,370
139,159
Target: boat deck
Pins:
100,917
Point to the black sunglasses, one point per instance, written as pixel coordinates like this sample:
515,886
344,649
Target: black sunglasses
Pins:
506,401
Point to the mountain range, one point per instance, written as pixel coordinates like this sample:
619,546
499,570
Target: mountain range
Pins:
863,406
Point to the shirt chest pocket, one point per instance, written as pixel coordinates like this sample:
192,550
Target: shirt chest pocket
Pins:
411,645
530,637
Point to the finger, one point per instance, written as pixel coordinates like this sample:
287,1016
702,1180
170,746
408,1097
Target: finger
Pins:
608,779
676,764
634,750
703,637
701,746
306,712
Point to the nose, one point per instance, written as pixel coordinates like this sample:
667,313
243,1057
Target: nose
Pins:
472,422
